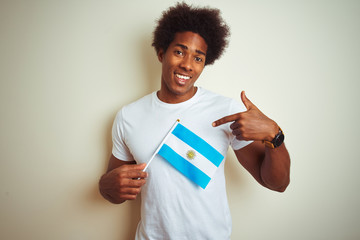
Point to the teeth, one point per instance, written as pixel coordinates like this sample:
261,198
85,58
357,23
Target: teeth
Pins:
182,77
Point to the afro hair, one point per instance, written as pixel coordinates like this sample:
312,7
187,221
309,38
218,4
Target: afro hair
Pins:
206,22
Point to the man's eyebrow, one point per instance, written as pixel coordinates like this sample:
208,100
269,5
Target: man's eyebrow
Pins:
186,48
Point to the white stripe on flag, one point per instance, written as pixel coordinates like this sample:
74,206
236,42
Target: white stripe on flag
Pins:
198,161
190,154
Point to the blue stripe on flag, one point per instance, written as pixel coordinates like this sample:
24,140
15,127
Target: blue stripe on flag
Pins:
198,144
186,168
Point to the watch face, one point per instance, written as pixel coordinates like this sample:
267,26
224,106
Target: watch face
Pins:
279,140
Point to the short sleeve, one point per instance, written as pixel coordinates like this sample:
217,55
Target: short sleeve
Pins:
119,149
236,107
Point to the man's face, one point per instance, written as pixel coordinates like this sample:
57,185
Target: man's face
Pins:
182,64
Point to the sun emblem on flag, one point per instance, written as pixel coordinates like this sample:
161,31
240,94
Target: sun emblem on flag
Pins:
191,154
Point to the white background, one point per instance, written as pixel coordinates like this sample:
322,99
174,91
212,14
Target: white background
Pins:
67,67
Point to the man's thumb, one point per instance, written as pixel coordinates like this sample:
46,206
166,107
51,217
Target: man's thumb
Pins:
248,104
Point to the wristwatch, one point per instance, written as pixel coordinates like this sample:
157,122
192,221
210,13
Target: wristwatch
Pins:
277,141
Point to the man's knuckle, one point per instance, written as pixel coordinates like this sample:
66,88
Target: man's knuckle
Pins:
242,129
122,182
245,136
122,174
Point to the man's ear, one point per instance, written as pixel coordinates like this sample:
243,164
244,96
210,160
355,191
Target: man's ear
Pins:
160,55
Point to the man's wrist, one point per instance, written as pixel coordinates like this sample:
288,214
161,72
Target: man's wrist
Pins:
276,140
274,130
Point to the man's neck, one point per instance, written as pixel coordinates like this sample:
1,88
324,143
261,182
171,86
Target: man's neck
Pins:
172,98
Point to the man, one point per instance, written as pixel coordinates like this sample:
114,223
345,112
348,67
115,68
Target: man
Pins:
172,207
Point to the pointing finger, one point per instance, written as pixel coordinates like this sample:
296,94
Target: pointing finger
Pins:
226,119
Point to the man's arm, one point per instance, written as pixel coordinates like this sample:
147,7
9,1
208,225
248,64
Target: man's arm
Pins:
270,167
122,181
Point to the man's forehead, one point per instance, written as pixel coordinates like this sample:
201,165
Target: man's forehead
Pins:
190,41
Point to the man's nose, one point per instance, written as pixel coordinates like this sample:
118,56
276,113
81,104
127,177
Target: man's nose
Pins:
186,63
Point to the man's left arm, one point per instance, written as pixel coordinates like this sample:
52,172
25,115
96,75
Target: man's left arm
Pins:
269,166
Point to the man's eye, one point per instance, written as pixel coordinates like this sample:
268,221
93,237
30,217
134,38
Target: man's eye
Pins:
178,52
198,59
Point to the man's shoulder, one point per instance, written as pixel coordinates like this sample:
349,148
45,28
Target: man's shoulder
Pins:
140,102
209,95
218,102
136,107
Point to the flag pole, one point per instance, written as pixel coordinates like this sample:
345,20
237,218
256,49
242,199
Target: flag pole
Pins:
165,138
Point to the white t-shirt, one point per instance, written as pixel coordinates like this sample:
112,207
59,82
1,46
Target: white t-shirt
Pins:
172,206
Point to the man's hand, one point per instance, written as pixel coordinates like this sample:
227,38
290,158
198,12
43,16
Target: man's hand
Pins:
123,183
251,124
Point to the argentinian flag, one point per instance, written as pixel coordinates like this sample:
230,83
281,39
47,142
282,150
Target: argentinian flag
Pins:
191,155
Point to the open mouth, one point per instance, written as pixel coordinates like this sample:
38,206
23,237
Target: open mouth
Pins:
182,79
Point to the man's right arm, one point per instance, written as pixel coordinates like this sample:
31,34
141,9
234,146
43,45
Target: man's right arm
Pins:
122,181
